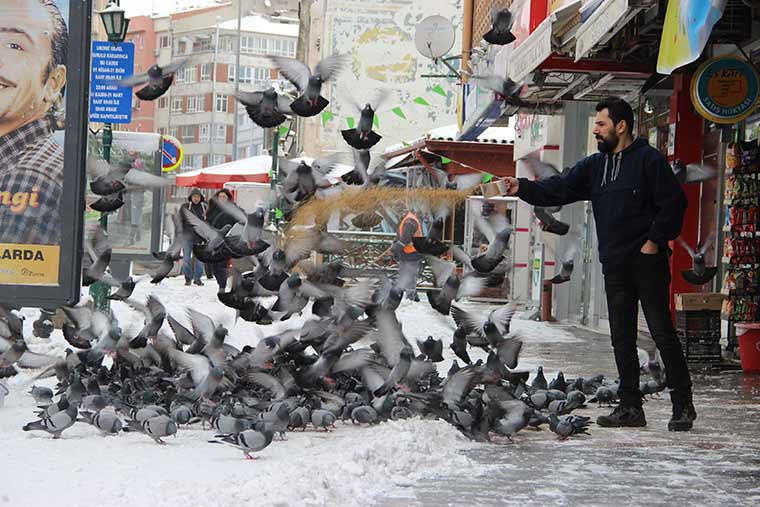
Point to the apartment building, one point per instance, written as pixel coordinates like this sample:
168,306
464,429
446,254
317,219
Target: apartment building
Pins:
200,108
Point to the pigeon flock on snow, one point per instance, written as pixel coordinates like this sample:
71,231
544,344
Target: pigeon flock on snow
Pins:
350,360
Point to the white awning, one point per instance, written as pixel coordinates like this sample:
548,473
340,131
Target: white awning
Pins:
553,32
603,24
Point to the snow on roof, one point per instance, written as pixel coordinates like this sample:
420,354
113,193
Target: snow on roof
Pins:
263,24
499,135
253,165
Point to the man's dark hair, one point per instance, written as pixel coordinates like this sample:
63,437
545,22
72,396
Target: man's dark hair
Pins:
619,110
59,39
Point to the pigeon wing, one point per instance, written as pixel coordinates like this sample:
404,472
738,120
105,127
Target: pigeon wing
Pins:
294,71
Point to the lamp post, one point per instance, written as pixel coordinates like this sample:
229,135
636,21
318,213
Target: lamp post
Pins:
116,25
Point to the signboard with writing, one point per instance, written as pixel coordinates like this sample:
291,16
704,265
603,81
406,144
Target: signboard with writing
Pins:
537,274
725,90
110,103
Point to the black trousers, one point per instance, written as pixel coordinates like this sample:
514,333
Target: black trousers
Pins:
221,273
645,278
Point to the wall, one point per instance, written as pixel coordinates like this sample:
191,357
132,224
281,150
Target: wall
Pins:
378,36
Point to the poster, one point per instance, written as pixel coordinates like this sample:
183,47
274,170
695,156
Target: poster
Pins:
41,147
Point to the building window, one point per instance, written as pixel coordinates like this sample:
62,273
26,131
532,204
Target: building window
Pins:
174,132
195,104
231,73
165,41
203,132
206,72
192,162
187,74
188,134
217,159
203,43
221,103
220,133
176,104
163,102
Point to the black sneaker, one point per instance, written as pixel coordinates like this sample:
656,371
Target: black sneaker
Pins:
683,418
188,283
623,416
198,282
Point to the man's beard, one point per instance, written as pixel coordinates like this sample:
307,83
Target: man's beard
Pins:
607,145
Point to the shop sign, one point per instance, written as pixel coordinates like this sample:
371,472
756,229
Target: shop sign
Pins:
725,90
532,52
598,25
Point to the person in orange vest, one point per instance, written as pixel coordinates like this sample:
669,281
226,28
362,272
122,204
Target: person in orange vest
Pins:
407,255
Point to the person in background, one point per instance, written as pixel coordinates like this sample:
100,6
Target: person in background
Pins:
217,219
638,207
407,255
192,268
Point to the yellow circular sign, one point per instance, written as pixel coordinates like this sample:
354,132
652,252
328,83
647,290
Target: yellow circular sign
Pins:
725,89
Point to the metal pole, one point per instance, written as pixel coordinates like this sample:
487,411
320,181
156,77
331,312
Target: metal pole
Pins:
213,97
237,84
100,291
274,177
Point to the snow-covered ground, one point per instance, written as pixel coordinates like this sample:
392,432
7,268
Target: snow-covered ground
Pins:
349,466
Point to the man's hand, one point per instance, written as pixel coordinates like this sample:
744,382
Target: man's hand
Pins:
512,185
650,248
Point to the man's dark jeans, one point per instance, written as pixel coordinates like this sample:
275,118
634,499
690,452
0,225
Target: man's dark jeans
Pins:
645,278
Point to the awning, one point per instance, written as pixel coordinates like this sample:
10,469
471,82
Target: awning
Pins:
247,170
556,31
250,170
603,23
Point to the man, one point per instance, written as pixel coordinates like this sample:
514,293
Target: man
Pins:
638,207
406,254
192,268
33,51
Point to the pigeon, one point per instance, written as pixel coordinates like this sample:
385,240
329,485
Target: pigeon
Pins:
541,171
396,350
157,80
299,418
699,274
247,441
266,108
56,423
364,415
108,203
107,423
506,90
459,344
174,228
567,262
16,354
309,84
323,419
452,288
42,395
229,425
501,24
156,427
362,137
302,180
432,348
568,425
692,173
276,419
110,180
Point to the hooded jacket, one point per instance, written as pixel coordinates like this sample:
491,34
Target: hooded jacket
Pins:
634,194
198,210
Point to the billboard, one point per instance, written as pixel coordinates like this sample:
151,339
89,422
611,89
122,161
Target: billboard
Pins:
43,106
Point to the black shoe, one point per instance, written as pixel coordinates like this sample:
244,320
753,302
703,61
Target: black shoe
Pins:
684,415
623,416
198,282
188,283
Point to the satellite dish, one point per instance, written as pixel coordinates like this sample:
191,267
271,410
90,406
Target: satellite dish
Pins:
434,37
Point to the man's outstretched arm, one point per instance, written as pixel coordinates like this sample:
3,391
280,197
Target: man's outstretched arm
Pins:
573,186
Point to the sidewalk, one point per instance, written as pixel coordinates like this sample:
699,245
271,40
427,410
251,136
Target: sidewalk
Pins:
716,464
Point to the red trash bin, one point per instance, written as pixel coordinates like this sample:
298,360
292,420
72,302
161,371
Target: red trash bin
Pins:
749,345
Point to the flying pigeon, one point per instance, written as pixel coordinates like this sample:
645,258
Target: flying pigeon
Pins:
158,80
311,102
266,108
699,274
500,32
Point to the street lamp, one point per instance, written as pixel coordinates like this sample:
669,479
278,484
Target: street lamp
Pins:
116,25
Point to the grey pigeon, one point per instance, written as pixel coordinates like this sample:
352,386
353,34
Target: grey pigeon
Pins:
692,173
276,419
181,414
55,424
266,108
108,423
300,417
157,80
568,425
42,395
700,273
247,441
156,427
323,419
501,24
309,84
228,425
539,381
432,348
364,415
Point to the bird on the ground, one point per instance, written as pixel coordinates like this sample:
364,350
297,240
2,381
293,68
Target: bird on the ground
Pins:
248,441
309,83
568,425
157,80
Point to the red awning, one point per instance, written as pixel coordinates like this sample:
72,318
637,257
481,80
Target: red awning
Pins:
249,170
